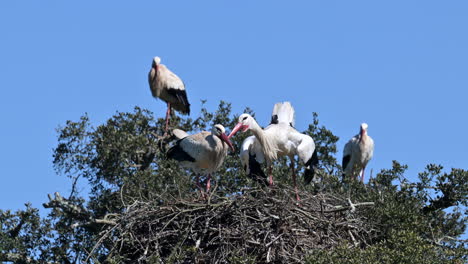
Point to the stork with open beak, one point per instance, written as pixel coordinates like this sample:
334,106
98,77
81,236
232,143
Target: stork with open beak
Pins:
167,86
202,152
357,153
276,140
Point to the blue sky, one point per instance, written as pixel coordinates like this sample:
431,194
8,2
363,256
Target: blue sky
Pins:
400,66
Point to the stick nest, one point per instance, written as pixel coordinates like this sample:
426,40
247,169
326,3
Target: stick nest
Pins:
257,226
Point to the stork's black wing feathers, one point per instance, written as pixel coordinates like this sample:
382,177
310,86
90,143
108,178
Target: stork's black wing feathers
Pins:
177,153
311,165
345,162
313,161
256,172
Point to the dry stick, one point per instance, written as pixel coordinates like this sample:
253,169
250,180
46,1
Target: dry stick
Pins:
15,258
306,214
121,195
352,237
212,192
268,255
340,208
274,240
75,181
99,242
95,221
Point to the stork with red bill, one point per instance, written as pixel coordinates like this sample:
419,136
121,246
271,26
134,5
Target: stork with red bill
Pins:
277,140
167,86
202,152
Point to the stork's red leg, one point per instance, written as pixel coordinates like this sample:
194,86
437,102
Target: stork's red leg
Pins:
270,175
168,116
199,187
294,180
208,183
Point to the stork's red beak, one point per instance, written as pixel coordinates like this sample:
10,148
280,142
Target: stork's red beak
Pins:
238,127
226,139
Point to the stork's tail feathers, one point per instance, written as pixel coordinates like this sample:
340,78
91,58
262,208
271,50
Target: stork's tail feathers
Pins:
181,103
311,168
283,113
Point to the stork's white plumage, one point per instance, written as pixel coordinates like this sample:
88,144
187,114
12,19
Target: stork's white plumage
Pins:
357,153
179,133
277,140
202,152
251,155
167,86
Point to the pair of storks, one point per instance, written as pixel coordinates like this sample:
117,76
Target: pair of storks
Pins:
205,151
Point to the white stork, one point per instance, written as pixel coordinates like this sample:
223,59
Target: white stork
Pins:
201,152
276,140
357,153
167,86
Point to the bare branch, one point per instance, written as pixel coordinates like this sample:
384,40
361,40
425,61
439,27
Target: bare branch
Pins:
77,212
18,258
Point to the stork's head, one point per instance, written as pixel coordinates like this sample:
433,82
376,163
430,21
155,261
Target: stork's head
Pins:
363,130
220,132
156,61
245,123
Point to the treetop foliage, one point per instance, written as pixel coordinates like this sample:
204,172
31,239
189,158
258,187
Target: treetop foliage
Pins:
132,183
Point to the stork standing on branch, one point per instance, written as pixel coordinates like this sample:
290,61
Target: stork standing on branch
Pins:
201,152
276,140
167,86
357,153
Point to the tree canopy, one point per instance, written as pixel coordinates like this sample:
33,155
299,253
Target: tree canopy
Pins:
145,208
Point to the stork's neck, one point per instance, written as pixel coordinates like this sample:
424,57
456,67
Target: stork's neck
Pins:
267,144
363,137
256,129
